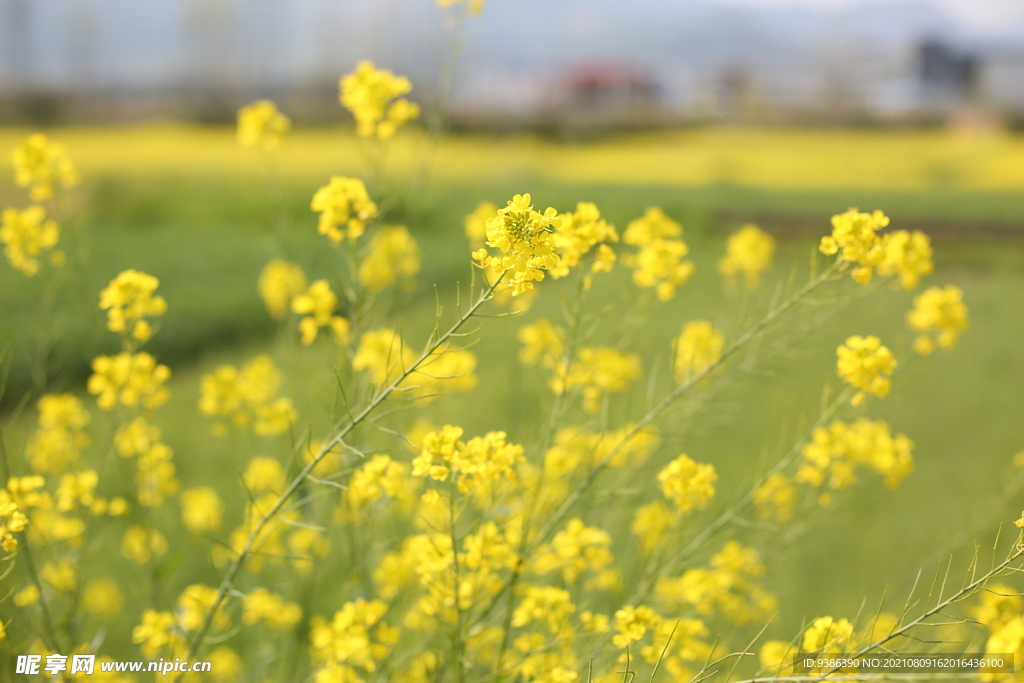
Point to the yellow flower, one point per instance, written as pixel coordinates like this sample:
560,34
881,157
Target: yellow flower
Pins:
688,484
866,365
61,575
263,475
940,312
776,497
476,223
659,260
727,586
827,635
76,489
201,509
373,97
579,232
524,238
854,237
908,255
548,605
599,370
28,595
141,545
247,396
480,461
840,448
474,6
393,255
698,347
650,524
103,597
128,301
776,656
26,235
39,164
384,355
632,623
225,665
278,283
60,437
380,476
542,342
156,633
260,123
574,550
193,605
748,252
344,207
129,379
262,606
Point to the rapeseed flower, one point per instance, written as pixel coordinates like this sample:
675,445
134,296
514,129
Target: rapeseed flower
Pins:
374,97
129,379
260,123
598,371
688,484
658,261
344,207
61,435
40,163
128,301
524,237
26,235
279,282
748,253
318,304
393,255
865,364
201,509
940,312
698,347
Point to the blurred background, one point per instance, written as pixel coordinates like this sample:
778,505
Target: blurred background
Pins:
526,64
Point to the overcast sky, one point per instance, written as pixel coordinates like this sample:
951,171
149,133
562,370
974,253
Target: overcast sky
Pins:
979,14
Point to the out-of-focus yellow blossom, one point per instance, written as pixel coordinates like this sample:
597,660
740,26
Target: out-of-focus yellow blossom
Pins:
261,123
268,545
728,586
938,311
776,657
632,623
270,609
835,452
698,346
827,636
393,256
26,235
997,605
475,7
12,521
247,396
28,595
650,524
318,304
374,97
48,526
659,260
476,223
776,498
576,447
748,253
344,207
193,605
129,379
263,475
40,163
384,355
543,343
547,605
60,437
157,632
481,460
381,476
854,237
866,364
201,509
577,233
128,301
305,545
141,545
688,484
103,597
397,569
357,637
61,575
599,370
154,475
881,627
524,237
225,665
907,254
574,550
279,282
76,489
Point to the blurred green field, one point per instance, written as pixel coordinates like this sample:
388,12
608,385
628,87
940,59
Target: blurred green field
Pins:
206,229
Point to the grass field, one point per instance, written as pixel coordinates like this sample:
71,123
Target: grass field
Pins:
189,207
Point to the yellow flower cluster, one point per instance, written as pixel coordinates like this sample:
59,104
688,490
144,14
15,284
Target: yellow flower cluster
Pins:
40,163
344,206
26,235
1000,609
651,523
260,123
476,223
524,237
688,484
577,549
940,312
474,6
374,97
393,255
128,301
279,282
576,447
158,633
865,364
728,586
599,370
193,604
480,461
543,342
577,233
698,347
263,607
855,238
835,452
547,605
318,304
748,252
827,635
384,355
635,624
201,509
60,437
380,476
12,521
776,497
356,639
129,379
658,261
141,545
247,396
